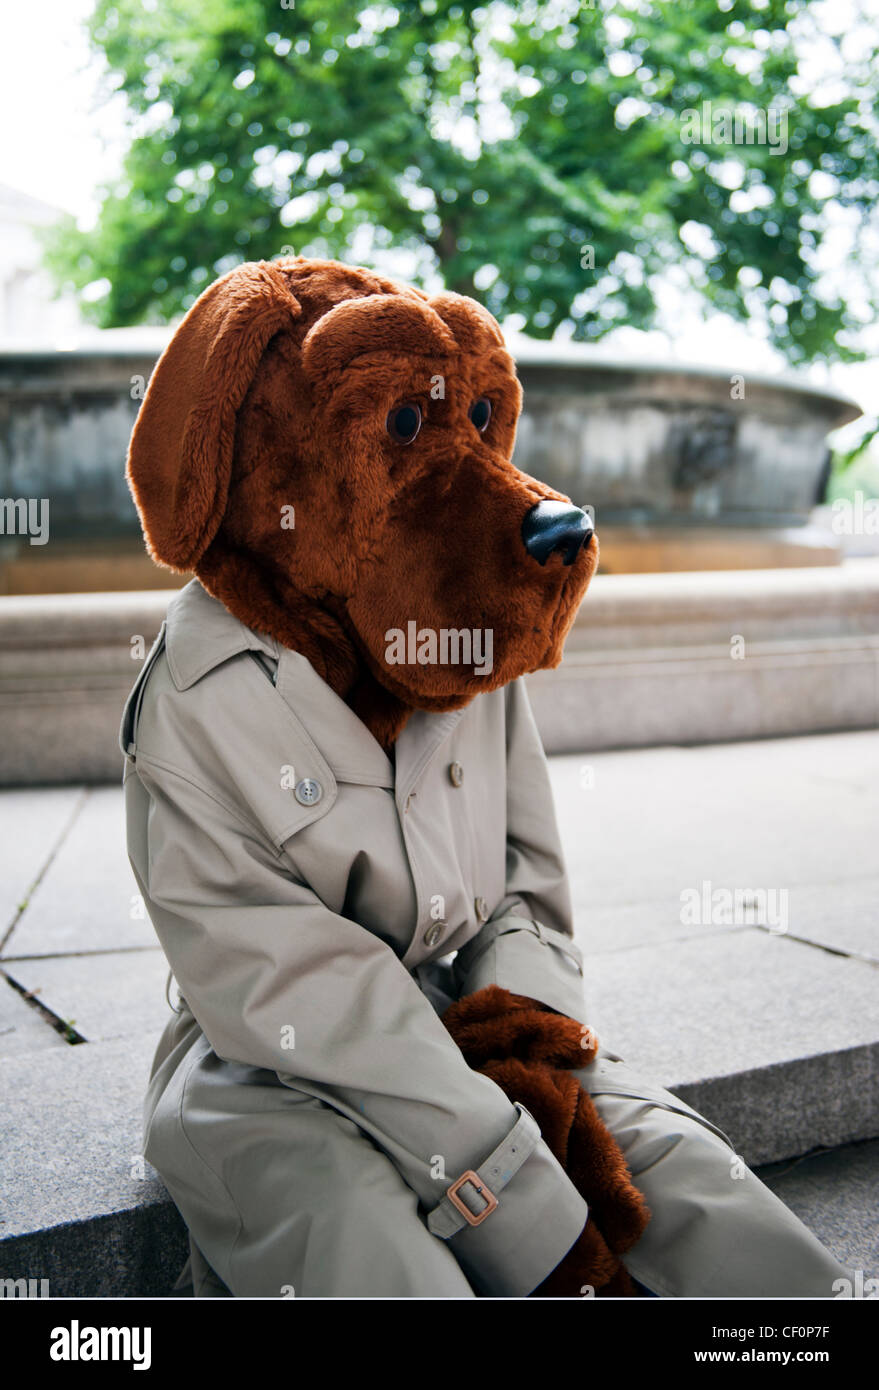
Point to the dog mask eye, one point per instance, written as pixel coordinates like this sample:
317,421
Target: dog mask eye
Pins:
404,422
480,413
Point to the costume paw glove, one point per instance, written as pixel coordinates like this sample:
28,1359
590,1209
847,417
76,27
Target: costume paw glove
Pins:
531,1052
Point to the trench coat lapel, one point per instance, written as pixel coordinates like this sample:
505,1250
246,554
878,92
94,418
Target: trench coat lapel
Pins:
421,736
344,740
348,746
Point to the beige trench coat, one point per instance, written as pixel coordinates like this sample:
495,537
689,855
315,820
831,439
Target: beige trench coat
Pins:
307,1108
300,884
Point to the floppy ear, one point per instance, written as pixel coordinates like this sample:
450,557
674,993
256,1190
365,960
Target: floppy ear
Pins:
402,323
180,456
472,324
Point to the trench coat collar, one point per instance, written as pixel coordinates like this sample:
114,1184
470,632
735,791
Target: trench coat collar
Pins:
201,634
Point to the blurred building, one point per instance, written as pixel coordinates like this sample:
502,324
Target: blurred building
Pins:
30,312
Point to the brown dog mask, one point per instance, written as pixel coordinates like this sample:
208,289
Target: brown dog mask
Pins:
294,384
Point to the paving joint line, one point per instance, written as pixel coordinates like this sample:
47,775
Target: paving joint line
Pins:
819,945
80,955
53,853
702,935
55,1021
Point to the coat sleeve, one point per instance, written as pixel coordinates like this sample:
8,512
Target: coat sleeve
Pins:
276,979
527,945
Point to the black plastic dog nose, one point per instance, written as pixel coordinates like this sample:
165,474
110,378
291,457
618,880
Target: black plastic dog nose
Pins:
556,526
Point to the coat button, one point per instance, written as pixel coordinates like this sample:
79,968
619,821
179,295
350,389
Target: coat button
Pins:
481,909
433,933
456,774
308,792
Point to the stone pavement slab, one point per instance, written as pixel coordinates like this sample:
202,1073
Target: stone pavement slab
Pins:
789,1108
642,825
23,1028
82,1208
835,1194
774,1041
713,1006
82,1103
839,916
32,822
768,1023
88,898
105,996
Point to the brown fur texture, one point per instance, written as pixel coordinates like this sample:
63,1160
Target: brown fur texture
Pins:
529,1052
274,393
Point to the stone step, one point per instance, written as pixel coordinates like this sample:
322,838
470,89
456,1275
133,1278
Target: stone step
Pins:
81,1206
766,1018
85,1212
706,657
658,658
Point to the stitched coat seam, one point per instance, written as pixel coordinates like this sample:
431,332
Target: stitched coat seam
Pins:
151,761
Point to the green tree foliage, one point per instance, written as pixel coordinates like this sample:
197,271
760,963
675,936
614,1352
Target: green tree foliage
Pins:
538,155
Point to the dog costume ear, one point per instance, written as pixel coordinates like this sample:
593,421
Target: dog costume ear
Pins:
402,323
180,456
473,326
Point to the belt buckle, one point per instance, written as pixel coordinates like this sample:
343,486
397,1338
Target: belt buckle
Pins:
484,1191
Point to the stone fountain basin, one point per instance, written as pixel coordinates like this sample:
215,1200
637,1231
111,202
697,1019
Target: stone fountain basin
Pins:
647,445
674,445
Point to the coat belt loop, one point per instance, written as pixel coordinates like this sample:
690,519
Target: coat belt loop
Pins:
448,1216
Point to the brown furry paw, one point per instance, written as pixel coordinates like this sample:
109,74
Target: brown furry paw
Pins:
598,1169
493,1024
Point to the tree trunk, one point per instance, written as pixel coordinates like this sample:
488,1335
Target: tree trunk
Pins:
446,247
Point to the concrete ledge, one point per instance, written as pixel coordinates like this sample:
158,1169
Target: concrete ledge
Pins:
81,1207
604,700
710,657
650,660
696,608
65,671
789,1108
136,1253
78,1217
767,1021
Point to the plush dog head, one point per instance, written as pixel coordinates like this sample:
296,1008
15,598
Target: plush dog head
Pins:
330,453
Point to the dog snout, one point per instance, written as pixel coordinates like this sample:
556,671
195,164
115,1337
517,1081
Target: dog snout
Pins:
556,526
